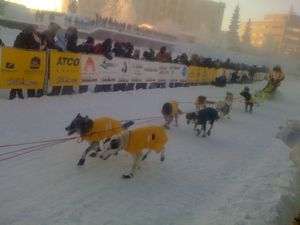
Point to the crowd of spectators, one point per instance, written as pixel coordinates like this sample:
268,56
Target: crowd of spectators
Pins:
72,20
56,38
110,23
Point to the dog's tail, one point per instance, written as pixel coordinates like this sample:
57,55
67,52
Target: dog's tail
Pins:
127,124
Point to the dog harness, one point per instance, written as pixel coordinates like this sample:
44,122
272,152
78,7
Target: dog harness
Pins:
150,137
103,128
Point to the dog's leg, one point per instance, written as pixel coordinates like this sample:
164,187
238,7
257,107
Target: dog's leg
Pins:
176,120
83,157
146,155
135,166
210,128
107,154
99,149
195,126
162,156
204,129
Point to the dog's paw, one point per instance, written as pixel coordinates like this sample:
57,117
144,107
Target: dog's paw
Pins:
162,158
198,132
204,135
144,157
93,155
167,127
81,162
127,176
105,157
208,133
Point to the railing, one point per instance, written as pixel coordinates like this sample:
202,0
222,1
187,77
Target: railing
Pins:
22,69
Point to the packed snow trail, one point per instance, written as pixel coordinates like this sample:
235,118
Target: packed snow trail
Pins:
236,176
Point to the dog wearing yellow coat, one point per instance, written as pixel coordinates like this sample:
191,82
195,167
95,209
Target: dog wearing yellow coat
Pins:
150,138
95,132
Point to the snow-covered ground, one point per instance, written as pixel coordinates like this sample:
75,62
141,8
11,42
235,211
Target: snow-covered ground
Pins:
240,175
237,176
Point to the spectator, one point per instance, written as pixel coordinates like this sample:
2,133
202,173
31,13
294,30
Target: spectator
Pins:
136,54
163,56
88,46
48,36
182,59
195,60
235,77
220,81
71,39
60,40
1,43
149,55
107,48
118,50
128,50
27,39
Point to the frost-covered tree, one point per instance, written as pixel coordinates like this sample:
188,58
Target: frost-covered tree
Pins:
233,33
246,38
270,44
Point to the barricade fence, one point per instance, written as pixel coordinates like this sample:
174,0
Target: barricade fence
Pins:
52,70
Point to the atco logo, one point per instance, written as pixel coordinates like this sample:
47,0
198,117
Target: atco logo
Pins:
35,63
65,61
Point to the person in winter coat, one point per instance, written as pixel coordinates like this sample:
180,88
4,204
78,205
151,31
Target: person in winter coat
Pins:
249,101
149,55
136,54
48,36
163,56
60,40
1,43
128,50
27,39
104,49
88,46
71,39
220,81
118,49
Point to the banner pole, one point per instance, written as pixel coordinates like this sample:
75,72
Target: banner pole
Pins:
47,73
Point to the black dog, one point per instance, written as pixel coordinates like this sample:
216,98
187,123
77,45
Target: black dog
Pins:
201,118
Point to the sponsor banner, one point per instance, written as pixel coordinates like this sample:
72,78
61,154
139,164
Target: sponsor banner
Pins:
99,70
64,69
22,69
202,75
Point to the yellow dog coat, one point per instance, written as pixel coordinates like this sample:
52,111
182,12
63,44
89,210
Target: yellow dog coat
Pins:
103,128
150,137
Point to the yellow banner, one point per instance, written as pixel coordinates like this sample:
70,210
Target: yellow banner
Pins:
192,74
22,69
201,75
64,69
